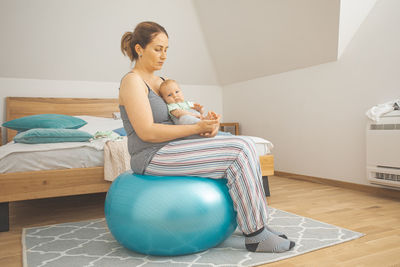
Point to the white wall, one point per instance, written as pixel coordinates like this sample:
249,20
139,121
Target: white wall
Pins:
316,116
56,88
80,40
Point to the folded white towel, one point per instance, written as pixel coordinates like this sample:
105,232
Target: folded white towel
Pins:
378,111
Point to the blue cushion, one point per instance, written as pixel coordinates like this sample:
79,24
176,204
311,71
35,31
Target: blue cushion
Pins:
121,131
41,135
45,121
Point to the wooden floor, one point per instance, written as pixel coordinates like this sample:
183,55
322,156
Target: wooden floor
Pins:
376,216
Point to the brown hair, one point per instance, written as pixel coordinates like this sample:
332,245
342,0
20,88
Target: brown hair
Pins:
142,35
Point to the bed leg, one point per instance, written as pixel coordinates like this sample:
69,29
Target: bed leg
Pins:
266,186
4,217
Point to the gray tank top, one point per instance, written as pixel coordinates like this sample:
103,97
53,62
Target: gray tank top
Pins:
142,152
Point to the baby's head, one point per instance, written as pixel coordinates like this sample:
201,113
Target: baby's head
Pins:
170,92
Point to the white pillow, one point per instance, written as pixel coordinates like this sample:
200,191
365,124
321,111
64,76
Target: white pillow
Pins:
95,124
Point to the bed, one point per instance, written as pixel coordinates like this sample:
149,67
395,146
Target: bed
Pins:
17,186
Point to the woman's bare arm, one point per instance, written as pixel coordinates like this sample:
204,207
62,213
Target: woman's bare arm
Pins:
133,95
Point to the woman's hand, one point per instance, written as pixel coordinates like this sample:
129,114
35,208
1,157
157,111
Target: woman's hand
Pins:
215,119
206,126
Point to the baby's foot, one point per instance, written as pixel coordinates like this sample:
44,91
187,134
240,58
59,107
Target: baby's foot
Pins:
211,115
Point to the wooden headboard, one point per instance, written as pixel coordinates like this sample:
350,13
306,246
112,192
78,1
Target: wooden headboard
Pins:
17,107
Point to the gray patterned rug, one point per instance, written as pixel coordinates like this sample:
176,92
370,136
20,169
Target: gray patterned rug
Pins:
89,243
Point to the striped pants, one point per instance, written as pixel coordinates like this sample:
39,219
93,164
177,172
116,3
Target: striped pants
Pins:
230,157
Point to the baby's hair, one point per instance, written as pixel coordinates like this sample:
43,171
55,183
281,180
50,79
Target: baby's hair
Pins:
166,83
142,35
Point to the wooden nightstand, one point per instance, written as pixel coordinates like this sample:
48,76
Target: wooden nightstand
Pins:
231,127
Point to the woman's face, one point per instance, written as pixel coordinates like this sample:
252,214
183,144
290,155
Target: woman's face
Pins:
155,52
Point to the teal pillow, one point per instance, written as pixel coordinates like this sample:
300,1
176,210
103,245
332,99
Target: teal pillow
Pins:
41,136
121,131
45,121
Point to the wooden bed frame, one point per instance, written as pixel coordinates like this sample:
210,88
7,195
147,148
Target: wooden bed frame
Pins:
66,182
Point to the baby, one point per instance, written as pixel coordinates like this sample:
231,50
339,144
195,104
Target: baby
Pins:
181,111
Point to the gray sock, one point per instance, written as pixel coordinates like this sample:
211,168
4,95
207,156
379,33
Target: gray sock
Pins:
276,232
265,241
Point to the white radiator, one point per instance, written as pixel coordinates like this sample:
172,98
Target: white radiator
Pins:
383,150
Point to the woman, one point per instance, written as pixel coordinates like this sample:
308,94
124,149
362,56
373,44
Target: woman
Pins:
157,147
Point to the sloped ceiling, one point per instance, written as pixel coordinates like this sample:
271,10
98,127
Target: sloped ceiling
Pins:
256,38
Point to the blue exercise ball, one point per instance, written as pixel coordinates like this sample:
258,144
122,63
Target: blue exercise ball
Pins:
170,215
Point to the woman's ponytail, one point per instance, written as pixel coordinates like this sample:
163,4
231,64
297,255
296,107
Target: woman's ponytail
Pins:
126,45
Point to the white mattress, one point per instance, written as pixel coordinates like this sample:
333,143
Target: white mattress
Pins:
17,157
263,146
78,157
